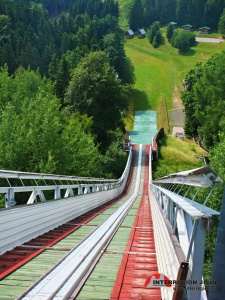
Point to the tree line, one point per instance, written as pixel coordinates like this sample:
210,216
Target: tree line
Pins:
76,7
64,87
204,101
198,13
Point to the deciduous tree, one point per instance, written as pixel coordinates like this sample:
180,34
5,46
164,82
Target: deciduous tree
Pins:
94,90
36,136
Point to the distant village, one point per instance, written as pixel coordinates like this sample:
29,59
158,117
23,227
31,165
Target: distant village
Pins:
141,33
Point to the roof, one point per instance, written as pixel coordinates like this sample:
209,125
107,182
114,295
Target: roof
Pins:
187,25
142,31
130,32
205,27
173,23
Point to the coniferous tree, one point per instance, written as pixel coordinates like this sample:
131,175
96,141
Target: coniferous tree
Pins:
136,16
169,32
112,44
157,39
165,10
213,10
62,78
221,25
181,12
149,12
154,35
5,25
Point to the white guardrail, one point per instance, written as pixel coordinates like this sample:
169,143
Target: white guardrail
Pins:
180,226
19,224
60,281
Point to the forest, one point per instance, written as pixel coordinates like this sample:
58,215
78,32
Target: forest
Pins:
195,12
64,86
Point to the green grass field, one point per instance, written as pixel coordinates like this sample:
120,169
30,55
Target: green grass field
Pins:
160,73
176,155
159,82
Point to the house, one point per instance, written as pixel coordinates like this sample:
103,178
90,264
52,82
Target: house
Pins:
204,30
187,27
157,22
172,23
129,34
141,33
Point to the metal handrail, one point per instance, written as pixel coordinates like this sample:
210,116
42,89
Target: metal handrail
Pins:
24,222
28,175
83,185
61,280
185,220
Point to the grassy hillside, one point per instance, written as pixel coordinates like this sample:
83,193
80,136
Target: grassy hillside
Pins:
159,78
176,155
160,73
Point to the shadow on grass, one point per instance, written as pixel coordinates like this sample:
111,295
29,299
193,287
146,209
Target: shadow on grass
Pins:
140,100
163,141
158,169
160,44
163,42
190,52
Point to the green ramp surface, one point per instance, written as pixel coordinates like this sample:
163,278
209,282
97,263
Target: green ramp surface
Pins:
145,127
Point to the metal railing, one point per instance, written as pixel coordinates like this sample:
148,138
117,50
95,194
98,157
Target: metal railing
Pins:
70,185
181,226
21,223
62,279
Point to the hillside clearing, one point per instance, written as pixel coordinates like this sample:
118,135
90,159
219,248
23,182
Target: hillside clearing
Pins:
159,77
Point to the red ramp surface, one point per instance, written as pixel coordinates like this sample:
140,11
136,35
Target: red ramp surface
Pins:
139,261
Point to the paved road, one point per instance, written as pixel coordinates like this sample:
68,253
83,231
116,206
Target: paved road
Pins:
209,40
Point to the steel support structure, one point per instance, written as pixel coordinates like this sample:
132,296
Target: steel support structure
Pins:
71,185
185,222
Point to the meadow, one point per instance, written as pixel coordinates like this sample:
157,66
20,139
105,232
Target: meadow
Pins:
160,73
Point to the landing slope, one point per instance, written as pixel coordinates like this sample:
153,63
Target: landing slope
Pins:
145,127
